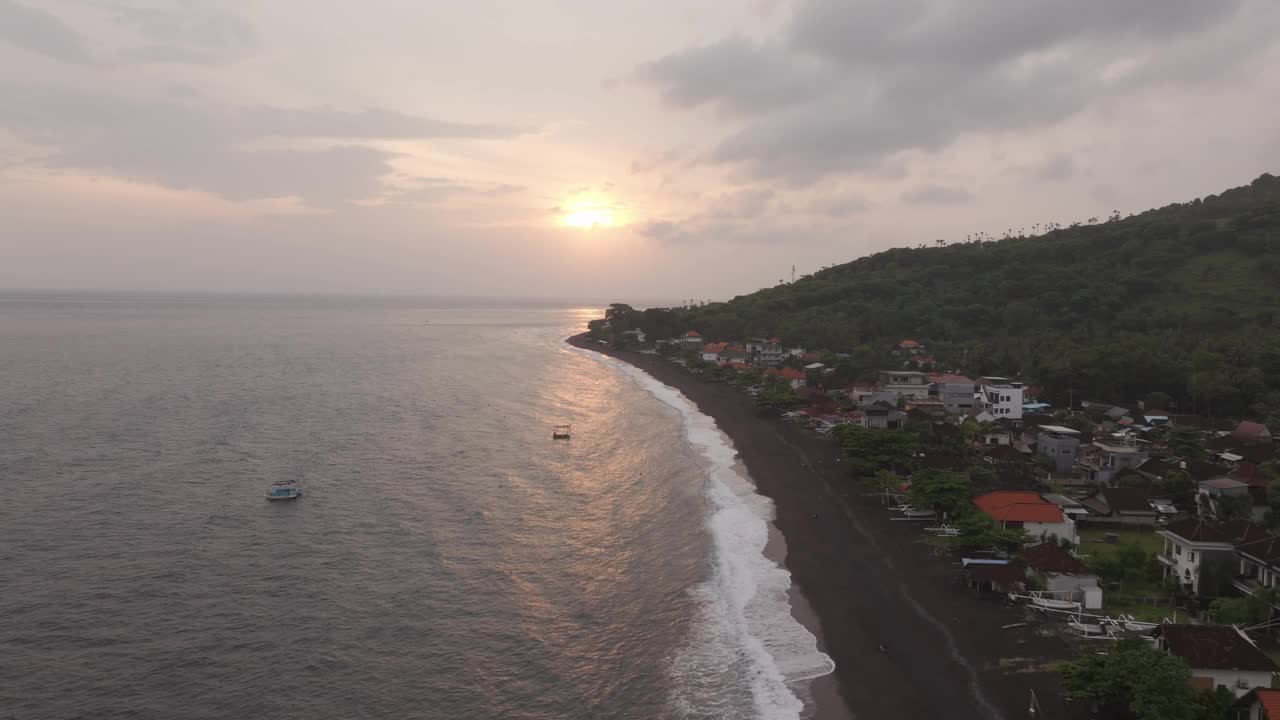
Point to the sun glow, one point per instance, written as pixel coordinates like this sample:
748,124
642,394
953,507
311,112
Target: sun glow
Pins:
588,215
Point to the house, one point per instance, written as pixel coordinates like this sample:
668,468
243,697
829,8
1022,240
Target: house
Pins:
992,575
692,340
1102,460
1000,397
711,351
1260,704
1220,656
636,336
766,353
1062,572
907,383
734,355
930,407
955,391
1028,511
1060,444
1196,543
796,378
911,346
1252,433
1258,564
1121,506
1211,491
882,416
816,367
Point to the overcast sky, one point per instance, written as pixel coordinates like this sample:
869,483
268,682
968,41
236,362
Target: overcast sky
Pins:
450,147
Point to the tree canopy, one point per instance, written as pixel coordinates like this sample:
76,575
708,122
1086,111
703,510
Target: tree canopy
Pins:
1177,305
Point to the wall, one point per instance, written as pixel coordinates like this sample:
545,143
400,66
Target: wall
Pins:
1228,678
1065,529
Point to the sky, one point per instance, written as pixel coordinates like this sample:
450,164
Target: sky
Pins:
614,149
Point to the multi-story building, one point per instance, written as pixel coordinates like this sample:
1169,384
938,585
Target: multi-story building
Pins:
1001,397
955,391
1102,460
905,383
766,353
1060,444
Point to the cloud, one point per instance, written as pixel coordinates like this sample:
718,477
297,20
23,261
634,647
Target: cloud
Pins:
838,205
192,27
193,144
937,195
847,85
1058,167
736,74
170,54
40,32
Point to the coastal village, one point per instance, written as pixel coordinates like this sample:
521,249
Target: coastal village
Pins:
1139,533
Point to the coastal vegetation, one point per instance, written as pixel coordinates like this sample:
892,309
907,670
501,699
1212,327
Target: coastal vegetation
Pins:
1179,306
1150,684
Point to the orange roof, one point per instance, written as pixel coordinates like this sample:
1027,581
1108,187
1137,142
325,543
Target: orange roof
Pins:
775,341
714,347
1270,701
1008,506
908,343
693,333
792,374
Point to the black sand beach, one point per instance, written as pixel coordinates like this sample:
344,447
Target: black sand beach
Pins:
872,582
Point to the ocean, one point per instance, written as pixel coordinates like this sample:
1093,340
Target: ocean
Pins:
448,559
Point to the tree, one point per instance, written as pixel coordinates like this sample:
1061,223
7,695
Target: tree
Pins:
1247,610
1132,674
1232,507
872,449
1187,442
1181,489
779,395
1157,401
940,491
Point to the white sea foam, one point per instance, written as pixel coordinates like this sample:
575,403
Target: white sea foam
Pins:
746,631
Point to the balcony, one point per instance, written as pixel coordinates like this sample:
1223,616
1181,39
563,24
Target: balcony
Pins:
1167,560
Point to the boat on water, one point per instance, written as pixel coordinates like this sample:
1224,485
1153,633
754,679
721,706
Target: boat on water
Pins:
285,490
560,432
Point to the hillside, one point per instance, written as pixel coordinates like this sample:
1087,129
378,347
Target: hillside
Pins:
1184,299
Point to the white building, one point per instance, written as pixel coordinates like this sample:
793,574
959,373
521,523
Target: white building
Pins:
1000,397
1190,543
1220,656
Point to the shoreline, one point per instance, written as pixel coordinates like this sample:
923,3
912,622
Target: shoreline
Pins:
867,580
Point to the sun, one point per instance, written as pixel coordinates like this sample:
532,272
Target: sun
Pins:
591,213
587,218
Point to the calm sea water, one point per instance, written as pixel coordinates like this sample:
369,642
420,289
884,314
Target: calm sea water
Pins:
448,559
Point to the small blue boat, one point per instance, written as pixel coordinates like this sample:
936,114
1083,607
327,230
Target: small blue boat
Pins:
286,490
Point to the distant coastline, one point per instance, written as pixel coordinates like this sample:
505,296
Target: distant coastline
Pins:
869,581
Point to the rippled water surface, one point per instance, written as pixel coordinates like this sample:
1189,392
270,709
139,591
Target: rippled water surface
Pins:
447,560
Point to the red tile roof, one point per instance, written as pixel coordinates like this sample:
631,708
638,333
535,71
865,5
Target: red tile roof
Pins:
1008,506
1049,558
714,347
1270,702
792,374
909,344
693,334
951,378
1214,647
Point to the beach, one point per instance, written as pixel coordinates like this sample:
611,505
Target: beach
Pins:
908,638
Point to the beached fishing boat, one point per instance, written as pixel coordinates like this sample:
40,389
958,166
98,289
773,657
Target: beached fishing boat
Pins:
911,512
285,490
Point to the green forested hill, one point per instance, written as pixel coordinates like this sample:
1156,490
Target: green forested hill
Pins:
1184,299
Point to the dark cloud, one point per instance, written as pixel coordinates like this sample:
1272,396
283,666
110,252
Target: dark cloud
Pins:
197,145
849,84
736,75
37,31
937,195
